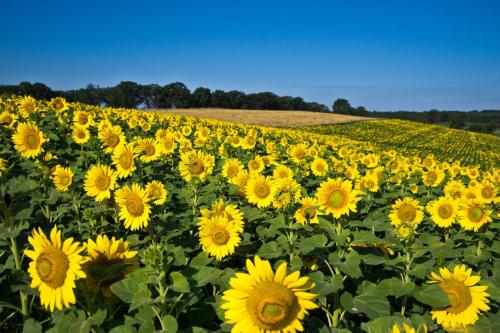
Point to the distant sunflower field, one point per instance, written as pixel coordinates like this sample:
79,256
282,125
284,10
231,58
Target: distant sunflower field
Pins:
116,220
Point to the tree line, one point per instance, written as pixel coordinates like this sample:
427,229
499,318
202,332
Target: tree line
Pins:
128,94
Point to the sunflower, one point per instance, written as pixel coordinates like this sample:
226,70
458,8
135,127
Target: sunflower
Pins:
368,183
168,143
454,189
3,166
150,149
80,135
8,119
134,207
473,215
406,211
260,190
228,211
218,237
264,301
298,153
83,118
405,328
443,211
308,211
337,197
467,299
231,168
59,104
288,192
27,106
433,178
256,165
123,159
282,171
319,167
111,137
107,256
156,192
54,267
62,178
195,164
28,140
99,181
487,192
241,180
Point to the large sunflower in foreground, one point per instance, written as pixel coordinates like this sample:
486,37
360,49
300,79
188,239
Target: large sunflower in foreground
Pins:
218,237
406,211
337,197
443,211
260,190
109,261
473,214
134,208
28,140
54,267
99,182
467,299
123,159
264,301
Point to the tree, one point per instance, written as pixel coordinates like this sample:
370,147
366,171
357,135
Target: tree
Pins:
360,111
458,120
342,106
126,95
173,95
202,98
433,116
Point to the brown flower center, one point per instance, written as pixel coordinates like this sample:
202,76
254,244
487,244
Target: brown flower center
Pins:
487,193
272,306
102,182
475,214
407,212
232,171
126,160
196,167
220,236
445,211
458,294
65,180
337,199
135,207
262,191
52,265
113,140
32,141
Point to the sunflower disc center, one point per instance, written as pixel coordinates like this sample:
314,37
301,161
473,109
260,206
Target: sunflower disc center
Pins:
486,192
102,182
113,140
196,167
52,266
135,206
126,160
220,236
475,214
407,213
336,199
445,211
272,305
458,294
32,141
262,191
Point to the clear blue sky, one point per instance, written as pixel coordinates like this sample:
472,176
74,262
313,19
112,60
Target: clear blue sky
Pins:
385,55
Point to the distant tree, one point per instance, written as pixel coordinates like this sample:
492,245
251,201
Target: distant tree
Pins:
220,99
173,95
458,120
360,111
202,98
147,95
235,99
433,116
342,106
126,95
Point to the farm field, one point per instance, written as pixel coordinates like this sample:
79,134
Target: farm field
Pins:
271,118
413,138
116,220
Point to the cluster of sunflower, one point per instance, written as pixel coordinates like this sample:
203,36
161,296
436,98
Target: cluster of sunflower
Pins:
124,160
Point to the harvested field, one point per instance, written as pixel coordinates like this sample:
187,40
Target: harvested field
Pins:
273,118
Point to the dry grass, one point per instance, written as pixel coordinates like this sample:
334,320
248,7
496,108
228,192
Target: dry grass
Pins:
271,118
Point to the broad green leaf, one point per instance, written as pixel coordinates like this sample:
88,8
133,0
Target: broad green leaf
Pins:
179,282
433,295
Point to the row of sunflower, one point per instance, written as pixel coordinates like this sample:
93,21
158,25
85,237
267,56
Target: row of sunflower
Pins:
161,222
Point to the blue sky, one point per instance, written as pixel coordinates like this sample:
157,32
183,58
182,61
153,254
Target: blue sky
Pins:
385,55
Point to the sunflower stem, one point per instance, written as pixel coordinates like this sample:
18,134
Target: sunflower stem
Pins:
17,260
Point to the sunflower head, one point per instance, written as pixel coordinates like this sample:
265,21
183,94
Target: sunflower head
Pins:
406,210
467,299
54,267
473,214
99,181
260,190
28,140
133,202
266,301
156,192
443,211
123,159
62,178
337,197
218,237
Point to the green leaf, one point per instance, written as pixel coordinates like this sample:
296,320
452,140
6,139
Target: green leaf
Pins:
394,287
32,326
179,282
308,245
432,295
132,291
122,329
206,275
170,324
270,250
372,306
351,265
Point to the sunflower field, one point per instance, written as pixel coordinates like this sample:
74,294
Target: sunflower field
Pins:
115,220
